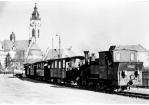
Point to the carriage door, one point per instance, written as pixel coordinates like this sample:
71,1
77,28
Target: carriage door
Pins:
46,70
35,68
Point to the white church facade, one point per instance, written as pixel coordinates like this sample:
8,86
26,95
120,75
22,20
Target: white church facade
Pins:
25,47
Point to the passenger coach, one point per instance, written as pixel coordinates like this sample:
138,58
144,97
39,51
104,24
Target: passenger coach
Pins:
55,70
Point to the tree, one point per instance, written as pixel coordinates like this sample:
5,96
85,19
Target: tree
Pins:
19,59
7,60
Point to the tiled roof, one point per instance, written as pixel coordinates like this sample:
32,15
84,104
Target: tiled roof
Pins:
7,45
71,53
33,60
56,52
19,45
138,48
34,50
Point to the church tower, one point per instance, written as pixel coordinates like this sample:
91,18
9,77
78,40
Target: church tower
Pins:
35,24
12,37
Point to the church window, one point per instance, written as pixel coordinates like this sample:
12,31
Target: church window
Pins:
33,32
38,33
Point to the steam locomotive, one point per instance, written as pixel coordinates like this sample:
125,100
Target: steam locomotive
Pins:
116,69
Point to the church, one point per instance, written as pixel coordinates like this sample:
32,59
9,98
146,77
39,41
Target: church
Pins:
23,50
20,51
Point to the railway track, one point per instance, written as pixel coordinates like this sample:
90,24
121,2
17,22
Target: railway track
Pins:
124,93
134,95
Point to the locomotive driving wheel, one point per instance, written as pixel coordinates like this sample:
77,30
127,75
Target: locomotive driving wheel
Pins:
83,84
100,85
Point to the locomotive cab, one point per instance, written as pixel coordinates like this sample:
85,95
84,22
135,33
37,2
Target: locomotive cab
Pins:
120,68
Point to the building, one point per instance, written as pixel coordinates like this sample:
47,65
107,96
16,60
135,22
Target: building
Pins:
54,53
20,50
142,53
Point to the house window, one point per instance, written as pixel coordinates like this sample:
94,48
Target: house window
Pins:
132,56
118,56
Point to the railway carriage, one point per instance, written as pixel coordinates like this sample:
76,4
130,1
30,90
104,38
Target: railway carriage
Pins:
40,70
63,69
55,69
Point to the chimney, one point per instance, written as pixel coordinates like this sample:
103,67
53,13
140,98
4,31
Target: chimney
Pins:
112,48
86,57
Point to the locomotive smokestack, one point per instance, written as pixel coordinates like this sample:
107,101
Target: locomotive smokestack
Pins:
86,57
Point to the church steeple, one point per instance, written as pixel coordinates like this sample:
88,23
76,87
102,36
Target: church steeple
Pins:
35,14
35,24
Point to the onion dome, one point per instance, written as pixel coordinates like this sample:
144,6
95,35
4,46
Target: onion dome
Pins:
12,37
35,14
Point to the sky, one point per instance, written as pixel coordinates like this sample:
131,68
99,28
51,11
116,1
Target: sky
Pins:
84,25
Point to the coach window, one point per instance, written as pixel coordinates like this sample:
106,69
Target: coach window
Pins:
39,66
59,64
33,67
55,64
42,65
63,63
51,64
118,56
132,56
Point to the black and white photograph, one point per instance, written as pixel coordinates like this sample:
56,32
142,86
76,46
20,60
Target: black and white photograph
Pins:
74,52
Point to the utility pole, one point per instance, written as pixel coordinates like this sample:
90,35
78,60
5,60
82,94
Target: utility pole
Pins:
52,48
59,55
59,47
